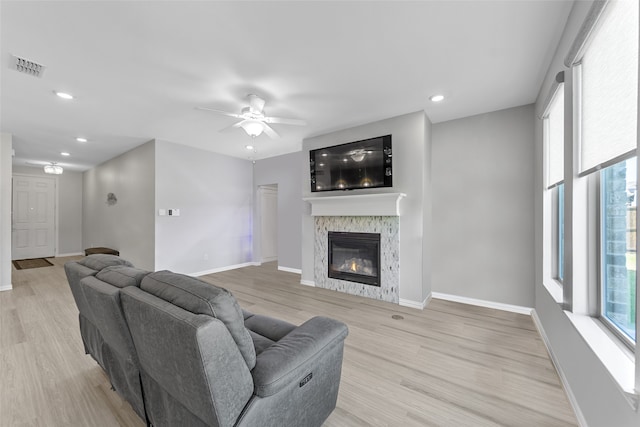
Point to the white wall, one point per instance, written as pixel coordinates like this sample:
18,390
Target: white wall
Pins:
600,400
483,207
411,143
127,226
215,198
285,172
5,211
69,206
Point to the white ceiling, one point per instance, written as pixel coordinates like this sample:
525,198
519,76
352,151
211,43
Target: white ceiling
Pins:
139,69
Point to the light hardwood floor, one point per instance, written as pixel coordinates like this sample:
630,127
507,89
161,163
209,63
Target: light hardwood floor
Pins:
449,365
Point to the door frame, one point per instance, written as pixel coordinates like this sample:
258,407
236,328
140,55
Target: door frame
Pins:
56,226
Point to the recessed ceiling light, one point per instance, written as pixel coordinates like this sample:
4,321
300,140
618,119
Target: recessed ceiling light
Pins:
63,95
436,98
249,147
64,153
80,139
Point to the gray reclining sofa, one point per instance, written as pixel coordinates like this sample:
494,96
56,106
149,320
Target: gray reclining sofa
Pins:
95,283
186,353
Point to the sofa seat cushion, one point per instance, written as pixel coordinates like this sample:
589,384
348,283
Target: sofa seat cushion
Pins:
199,297
99,261
122,276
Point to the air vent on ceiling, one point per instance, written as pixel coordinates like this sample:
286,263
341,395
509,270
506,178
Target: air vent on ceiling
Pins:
26,66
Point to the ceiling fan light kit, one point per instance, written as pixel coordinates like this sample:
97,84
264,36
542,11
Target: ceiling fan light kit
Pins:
254,120
252,127
53,169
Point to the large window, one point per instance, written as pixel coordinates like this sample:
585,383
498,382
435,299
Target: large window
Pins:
589,201
554,143
607,82
618,247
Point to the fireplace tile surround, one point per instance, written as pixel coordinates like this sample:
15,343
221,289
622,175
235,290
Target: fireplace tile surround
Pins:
389,229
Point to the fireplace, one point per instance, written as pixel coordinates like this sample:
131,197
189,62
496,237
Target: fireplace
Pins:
355,257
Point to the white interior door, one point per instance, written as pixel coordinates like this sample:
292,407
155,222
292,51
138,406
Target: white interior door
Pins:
33,217
269,223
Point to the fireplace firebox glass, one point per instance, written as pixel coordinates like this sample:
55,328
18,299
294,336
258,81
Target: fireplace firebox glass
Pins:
355,257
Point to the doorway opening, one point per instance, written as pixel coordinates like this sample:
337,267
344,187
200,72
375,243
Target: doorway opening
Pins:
268,214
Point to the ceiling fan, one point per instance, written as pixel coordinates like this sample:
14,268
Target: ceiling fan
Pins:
254,120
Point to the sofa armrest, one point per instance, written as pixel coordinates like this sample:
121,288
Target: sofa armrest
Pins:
292,357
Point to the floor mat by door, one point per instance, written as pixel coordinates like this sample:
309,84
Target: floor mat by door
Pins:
23,264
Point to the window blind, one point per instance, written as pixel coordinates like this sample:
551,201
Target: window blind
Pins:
555,137
609,75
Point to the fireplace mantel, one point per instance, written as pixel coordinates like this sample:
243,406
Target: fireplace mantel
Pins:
382,204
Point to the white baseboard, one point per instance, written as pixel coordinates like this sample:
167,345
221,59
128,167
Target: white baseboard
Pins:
6,287
308,283
582,422
483,303
270,259
220,269
70,254
415,304
290,270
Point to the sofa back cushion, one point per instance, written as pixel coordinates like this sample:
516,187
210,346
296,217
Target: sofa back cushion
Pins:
76,272
192,370
198,297
121,276
117,351
99,261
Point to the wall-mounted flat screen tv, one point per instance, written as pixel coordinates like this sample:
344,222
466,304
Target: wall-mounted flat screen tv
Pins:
355,165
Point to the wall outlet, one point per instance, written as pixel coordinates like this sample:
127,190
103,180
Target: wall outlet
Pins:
174,212
162,212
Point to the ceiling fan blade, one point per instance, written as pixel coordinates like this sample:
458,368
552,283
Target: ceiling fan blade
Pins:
256,104
269,131
233,126
284,121
226,113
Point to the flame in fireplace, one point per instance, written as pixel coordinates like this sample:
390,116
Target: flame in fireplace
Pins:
354,266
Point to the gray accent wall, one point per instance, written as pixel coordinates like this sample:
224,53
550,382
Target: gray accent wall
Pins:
427,211
601,402
6,141
483,207
69,208
285,172
411,173
128,225
215,198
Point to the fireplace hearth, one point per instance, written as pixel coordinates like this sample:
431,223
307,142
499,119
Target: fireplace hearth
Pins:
354,257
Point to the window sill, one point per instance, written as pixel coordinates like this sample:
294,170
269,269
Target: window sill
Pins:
616,358
619,361
555,290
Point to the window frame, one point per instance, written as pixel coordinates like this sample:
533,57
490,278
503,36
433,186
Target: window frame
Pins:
600,282
553,188
555,252
559,240
592,199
